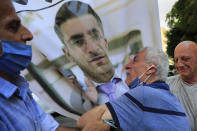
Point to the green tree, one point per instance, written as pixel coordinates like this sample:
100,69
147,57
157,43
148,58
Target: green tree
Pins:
182,21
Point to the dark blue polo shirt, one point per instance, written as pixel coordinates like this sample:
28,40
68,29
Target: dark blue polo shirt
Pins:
149,108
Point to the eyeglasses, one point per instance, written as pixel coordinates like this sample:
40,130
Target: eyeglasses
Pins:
95,38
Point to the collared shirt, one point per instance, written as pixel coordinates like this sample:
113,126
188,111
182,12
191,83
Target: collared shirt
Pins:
19,111
148,108
187,95
120,90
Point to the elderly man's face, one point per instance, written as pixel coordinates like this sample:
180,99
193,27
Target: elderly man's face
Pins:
86,46
185,58
136,67
11,28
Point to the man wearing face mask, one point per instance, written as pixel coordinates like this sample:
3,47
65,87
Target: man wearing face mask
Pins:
148,105
18,109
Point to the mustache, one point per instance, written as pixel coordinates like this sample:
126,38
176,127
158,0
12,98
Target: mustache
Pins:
96,55
181,68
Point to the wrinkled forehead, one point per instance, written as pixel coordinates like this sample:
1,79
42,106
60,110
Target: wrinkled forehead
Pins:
79,24
184,51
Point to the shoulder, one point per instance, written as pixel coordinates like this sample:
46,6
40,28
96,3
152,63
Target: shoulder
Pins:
172,78
157,96
174,82
151,93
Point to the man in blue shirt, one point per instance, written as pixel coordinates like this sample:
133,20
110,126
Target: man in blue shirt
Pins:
18,109
148,105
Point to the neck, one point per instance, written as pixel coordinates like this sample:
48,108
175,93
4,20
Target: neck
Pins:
152,79
102,78
190,80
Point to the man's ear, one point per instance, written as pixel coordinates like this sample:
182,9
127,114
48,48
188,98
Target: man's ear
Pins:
65,50
152,70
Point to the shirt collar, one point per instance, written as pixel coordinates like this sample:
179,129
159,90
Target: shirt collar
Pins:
114,76
184,82
20,87
159,85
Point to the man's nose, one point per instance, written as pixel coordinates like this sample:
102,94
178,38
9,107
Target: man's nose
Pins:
26,35
129,65
91,45
179,63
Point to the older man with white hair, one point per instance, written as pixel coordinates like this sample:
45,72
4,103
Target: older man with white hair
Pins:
148,105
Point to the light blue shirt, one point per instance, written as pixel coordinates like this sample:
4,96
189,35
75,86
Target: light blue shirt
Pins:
149,108
19,111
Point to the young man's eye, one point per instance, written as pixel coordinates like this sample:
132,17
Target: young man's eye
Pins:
95,34
79,42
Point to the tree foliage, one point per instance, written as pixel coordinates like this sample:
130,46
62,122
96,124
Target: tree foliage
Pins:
182,21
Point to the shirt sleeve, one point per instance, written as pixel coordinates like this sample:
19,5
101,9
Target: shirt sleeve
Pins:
125,110
47,122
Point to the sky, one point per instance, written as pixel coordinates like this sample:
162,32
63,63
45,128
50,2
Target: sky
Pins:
164,7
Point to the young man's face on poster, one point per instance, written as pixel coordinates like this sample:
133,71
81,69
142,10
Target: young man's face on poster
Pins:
86,46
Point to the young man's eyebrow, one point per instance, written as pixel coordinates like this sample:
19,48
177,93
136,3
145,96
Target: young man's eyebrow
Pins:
76,36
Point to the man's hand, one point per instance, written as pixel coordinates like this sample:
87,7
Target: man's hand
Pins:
96,126
91,120
91,94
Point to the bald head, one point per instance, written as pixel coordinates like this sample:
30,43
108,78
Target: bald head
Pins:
187,45
185,56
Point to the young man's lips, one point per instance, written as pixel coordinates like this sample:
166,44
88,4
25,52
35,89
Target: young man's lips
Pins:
97,58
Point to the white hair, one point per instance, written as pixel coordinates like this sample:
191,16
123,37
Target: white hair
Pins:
159,58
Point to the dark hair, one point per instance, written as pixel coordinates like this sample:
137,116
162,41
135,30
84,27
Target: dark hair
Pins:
72,9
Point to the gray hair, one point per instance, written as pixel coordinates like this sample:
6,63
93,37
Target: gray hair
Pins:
160,59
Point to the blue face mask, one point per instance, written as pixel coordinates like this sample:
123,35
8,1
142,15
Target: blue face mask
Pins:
15,57
137,82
